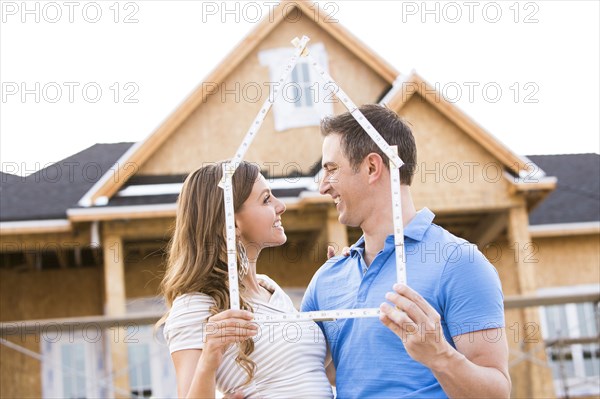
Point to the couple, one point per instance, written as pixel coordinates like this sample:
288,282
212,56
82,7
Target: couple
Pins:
440,336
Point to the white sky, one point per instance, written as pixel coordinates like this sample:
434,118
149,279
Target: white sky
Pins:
553,60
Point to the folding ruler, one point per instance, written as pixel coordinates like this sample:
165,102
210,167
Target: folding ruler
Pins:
226,184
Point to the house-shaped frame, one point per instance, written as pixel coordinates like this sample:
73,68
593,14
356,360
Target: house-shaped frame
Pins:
230,167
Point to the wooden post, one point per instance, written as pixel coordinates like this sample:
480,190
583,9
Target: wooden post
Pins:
337,233
538,382
114,305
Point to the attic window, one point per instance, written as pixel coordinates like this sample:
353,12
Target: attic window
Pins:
302,100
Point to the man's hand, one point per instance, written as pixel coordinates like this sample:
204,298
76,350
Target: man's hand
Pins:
331,251
418,325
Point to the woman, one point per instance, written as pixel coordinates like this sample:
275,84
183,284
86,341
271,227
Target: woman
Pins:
276,360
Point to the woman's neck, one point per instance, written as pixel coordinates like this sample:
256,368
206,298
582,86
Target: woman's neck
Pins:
253,288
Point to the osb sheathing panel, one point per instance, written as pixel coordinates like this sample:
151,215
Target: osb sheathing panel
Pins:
20,375
293,264
143,275
214,130
49,294
528,379
453,172
571,260
560,261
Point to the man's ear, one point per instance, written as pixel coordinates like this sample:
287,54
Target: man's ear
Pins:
375,166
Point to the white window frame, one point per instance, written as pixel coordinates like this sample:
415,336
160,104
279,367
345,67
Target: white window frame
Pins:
162,371
580,384
163,383
97,380
290,110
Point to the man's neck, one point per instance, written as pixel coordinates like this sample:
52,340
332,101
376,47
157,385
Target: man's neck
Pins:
381,225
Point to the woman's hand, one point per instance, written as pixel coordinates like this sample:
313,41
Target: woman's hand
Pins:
224,329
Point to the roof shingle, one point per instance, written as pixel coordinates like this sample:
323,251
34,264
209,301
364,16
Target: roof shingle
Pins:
48,193
577,194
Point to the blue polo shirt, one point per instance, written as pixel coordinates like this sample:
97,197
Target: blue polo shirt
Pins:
451,274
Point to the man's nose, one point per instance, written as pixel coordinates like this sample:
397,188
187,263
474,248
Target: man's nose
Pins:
324,185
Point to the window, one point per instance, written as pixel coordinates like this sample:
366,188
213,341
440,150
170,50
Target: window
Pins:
76,362
74,365
575,367
302,100
303,96
151,370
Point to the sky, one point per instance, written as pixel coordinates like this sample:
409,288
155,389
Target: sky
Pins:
76,73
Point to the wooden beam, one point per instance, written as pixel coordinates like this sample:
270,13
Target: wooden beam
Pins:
522,301
488,229
145,318
518,235
541,184
160,228
114,305
35,227
70,323
572,341
564,229
122,212
39,242
63,258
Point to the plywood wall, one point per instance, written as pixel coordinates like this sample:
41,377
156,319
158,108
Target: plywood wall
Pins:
454,173
571,260
20,375
41,295
294,264
143,274
48,294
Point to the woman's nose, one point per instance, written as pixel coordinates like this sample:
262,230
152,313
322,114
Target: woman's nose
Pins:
280,207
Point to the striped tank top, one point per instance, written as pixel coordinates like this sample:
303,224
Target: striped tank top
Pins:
289,356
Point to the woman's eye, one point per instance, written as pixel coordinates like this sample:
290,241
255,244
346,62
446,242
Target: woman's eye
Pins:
267,199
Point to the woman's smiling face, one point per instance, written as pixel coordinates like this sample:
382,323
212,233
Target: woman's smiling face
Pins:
258,221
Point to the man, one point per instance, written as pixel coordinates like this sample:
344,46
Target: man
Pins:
441,335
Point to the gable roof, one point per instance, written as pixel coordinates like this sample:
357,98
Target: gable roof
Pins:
107,187
577,195
48,193
405,87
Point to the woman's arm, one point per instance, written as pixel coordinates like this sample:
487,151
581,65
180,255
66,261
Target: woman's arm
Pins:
196,369
329,367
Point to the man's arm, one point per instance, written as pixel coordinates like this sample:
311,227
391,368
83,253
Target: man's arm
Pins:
478,368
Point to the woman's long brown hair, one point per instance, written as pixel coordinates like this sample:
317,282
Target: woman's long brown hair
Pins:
197,256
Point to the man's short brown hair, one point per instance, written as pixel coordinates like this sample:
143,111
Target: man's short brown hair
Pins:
357,144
